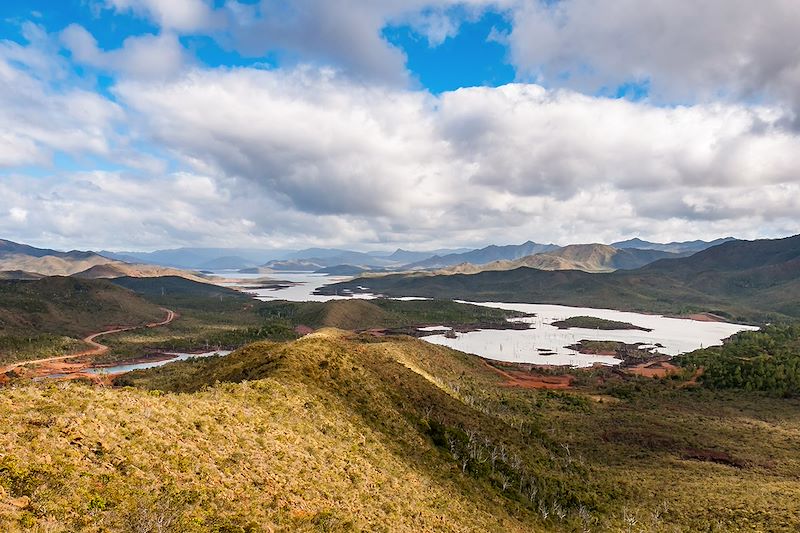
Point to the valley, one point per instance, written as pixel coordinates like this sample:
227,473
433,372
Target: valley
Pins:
281,394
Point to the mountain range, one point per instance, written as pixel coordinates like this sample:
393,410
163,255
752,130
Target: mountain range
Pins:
20,261
686,247
586,257
742,280
241,258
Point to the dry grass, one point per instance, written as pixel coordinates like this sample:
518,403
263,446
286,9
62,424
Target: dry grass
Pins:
337,432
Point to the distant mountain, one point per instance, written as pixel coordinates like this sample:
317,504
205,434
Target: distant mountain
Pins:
342,257
320,253
8,248
743,280
407,256
118,269
586,257
228,262
246,258
341,270
29,260
48,265
20,261
199,258
674,247
484,255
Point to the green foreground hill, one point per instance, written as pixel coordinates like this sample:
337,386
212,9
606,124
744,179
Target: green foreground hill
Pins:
345,432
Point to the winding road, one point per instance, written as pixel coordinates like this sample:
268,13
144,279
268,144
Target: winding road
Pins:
96,347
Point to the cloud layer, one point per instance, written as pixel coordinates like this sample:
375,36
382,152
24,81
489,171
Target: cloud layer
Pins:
338,148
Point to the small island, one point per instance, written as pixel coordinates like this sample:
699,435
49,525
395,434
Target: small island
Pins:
590,322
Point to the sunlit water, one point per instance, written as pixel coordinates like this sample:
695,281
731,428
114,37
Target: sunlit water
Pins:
542,343
546,344
303,291
119,369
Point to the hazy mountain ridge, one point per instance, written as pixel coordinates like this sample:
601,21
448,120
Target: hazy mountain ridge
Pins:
29,260
20,261
484,255
585,257
675,247
118,269
748,280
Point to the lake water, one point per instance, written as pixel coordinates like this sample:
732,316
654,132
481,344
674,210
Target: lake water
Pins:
546,344
303,291
119,369
542,343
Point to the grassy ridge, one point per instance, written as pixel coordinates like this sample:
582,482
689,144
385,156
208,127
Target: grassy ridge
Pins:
383,313
322,418
337,432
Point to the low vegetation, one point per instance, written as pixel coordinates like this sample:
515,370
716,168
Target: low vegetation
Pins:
590,322
346,432
767,360
384,313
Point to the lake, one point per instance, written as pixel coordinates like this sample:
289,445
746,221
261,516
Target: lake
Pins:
674,335
542,343
119,369
303,291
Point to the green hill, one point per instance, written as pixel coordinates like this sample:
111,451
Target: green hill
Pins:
586,257
358,314
46,317
68,306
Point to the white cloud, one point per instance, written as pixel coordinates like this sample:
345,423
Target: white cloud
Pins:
688,50
397,165
144,56
346,33
37,119
179,15
315,155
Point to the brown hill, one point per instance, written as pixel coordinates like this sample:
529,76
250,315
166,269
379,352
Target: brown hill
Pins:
119,269
51,265
585,257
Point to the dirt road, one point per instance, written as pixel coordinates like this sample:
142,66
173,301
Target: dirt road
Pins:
96,347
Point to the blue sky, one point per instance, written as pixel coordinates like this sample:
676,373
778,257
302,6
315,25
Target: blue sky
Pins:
385,123
471,57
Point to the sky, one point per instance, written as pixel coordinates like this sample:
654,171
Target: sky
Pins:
376,124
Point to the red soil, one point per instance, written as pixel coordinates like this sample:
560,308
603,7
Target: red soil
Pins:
525,380
60,365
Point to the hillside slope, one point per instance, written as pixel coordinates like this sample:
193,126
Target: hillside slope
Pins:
321,437
118,269
68,306
342,432
49,265
685,247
